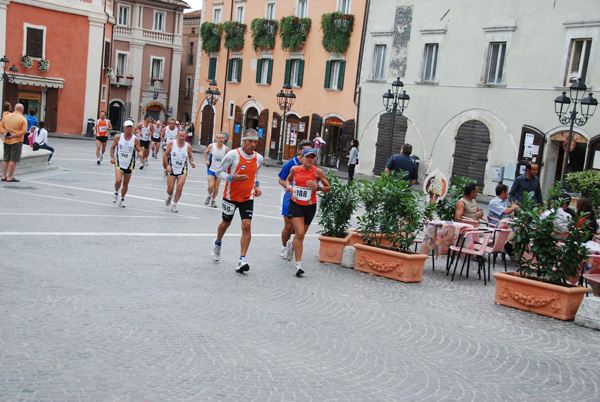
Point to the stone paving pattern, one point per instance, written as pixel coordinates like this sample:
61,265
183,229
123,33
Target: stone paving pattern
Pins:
102,303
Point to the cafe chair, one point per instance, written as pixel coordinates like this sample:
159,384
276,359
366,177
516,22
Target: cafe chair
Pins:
497,247
483,238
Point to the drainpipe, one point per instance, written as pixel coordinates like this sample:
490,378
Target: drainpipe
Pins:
172,52
357,90
109,59
226,74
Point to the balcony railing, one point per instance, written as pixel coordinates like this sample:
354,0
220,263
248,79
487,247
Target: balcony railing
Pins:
120,80
123,31
156,84
158,36
147,35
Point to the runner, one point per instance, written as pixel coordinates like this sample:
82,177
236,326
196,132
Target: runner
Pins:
214,155
179,153
101,127
125,144
155,145
167,135
302,183
287,248
144,130
240,169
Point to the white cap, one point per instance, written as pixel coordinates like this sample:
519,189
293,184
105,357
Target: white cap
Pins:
128,123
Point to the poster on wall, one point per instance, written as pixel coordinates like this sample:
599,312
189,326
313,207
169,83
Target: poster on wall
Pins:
236,129
436,185
274,123
301,128
260,132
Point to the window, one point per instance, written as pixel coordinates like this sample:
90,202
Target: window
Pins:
430,65
103,96
191,53
231,109
270,12
294,72
239,14
379,62
496,62
35,42
156,72
235,70
334,74
212,68
264,70
121,64
106,54
217,15
578,60
188,87
123,15
344,6
302,8
159,21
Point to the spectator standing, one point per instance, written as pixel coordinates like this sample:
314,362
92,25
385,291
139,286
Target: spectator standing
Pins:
528,182
6,109
319,143
14,128
403,162
352,160
41,138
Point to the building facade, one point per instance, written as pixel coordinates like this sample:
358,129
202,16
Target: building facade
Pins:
482,78
191,47
251,49
146,59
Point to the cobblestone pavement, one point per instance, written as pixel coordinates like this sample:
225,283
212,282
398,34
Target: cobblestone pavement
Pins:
103,303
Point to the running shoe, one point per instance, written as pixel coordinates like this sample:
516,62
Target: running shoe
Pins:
174,208
146,162
168,200
207,200
283,253
289,254
165,173
242,266
122,203
213,204
216,252
299,272
98,162
101,157
141,167
115,197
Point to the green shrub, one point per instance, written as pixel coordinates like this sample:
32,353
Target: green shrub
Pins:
293,32
588,184
211,37
337,28
446,209
264,32
337,207
234,35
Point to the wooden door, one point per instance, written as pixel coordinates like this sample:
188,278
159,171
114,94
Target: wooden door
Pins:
316,123
206,125
291,137
263,124
237,128
344,144
471,151
274,140
531,147
383,140
51,109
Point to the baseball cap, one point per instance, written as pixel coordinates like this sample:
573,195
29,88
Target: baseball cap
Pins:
308,151
128,123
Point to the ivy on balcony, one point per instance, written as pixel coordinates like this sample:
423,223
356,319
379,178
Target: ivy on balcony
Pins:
234,35
264,32
337,28
293,32
211,37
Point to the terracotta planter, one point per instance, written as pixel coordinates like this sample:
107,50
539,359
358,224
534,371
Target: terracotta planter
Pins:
390,264
541,297
332,248
353,238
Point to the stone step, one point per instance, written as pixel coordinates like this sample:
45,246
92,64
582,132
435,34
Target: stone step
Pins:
31,161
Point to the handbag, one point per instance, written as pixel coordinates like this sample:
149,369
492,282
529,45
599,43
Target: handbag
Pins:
36,146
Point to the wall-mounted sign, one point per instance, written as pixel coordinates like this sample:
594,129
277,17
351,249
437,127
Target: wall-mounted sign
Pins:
236,129
170,110
260,132
334,121
436,185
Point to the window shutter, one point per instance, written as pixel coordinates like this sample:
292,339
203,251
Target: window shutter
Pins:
212,68
288,70
106,54
269,71
259,64
35,42
239,71
340,83
230,70
300,72
327,74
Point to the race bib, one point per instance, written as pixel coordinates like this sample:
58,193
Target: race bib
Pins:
156,135
178,163
302,193
228,208
124,155
217,159
102,129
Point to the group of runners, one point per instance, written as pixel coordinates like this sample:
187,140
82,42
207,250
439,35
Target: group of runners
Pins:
239,168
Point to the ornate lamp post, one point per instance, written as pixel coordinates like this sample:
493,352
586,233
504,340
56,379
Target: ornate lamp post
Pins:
211,98
285,100
12,72
395,103
561,106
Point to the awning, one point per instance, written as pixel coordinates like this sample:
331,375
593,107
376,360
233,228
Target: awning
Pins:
37,81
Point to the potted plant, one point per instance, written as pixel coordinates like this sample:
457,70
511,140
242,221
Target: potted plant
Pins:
293,32
43,65
553,256
264,32
393,215
445,209
337,28
110,73
211,37
26,61
587,183
336,208
234,35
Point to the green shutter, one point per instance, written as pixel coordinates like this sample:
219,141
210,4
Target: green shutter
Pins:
269,71
327,74
239,71
229,72
340,83
259,63
300,72
288,70
212,68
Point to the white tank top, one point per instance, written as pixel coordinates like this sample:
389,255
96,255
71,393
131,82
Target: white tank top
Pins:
178,158
156,132
145,136
125,152
217,156
170,134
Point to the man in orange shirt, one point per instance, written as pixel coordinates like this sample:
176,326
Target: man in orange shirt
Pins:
14,128
102,127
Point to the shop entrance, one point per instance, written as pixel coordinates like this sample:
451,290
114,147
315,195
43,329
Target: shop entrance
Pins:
31,100
291,137
576,162
330,154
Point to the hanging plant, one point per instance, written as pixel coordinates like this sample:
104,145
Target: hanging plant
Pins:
264,32
234,35
43,65
293,32
110,73
337,28
211,37
26,61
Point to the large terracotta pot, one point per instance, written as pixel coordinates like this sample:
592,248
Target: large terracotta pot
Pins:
539,296
332,248
390,264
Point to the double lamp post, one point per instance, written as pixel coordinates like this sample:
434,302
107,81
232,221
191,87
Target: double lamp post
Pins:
285,100
395,102
7,77
211,98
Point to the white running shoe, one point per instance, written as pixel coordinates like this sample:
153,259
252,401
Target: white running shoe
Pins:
174,207
213,204
216,252
242,266
299,271
101,157
283,253
168,200
122,203
165,173
289,254
115,197
207,200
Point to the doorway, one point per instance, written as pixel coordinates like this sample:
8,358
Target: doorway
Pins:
471,151
115,114
206,125
330,154
576,162
291,136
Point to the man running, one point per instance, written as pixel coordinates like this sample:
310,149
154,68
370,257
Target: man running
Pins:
155,145
287,248
124,144
240,169
144,130
167,135
176,156
302,183
102,127
214,155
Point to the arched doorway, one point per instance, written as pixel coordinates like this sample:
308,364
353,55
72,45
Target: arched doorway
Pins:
292,124
259,122
576,162
186,117
206,125
593,158
115,114
471,151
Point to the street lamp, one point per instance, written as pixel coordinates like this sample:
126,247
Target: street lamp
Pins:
10,77
211,98
561,107
285,100
395,103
